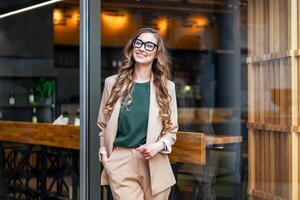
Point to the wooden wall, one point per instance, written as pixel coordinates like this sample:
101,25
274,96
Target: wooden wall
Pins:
273,81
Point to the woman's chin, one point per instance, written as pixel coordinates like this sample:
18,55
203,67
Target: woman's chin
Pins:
141,62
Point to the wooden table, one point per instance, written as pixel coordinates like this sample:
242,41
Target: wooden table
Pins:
191,147
68,136
64,136
39,148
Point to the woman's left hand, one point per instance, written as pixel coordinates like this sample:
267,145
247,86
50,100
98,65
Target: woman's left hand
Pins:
150,150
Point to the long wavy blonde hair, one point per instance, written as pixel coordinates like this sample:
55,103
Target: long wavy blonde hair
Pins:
160,75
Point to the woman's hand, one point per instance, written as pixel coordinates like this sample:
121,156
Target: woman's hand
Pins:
103,157
150,150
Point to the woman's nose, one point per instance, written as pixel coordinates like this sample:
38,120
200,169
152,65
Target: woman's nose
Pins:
142,48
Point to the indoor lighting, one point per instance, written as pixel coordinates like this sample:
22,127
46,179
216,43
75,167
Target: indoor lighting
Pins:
162,25
28,8
115,21
187,88
58,17
199,21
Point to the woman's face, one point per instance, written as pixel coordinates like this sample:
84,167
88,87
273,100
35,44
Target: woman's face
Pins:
142,52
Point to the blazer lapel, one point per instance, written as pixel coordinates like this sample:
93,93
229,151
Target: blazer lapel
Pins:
112,126
154,124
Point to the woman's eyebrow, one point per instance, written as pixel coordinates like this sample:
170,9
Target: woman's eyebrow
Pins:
147,41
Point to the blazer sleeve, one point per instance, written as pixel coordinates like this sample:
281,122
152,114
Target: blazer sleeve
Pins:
169,137
102,117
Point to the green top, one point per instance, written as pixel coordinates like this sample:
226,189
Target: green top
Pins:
133,122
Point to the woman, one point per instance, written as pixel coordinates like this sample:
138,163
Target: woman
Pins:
138,122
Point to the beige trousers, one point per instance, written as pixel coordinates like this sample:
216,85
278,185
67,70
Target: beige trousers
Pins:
129,177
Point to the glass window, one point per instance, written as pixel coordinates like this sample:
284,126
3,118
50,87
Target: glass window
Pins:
39,99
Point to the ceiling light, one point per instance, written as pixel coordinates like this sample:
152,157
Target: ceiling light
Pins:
28,8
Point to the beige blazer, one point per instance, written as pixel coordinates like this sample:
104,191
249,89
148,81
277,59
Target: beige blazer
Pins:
161,172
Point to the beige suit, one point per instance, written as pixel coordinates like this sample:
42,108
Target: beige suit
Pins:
161,173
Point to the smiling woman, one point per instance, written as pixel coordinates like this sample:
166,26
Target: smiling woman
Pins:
207,42
138,121
144,52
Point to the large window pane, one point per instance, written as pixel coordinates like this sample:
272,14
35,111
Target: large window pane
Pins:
39,101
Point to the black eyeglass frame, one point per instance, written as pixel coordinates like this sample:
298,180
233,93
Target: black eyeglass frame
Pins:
144,43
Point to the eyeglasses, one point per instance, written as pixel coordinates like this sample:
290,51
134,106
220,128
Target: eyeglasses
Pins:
149,46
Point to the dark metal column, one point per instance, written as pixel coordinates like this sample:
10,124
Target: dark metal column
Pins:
89,98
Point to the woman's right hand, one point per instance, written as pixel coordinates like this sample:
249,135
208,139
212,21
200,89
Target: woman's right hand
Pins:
104,158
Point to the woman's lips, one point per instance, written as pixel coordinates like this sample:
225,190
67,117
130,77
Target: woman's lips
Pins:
140,55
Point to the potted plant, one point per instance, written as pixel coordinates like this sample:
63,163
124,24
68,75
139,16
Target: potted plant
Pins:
44,88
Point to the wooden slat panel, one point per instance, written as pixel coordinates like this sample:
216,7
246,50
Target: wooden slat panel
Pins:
298,166
272,162
258,161
272,94
293,29
289,86
286,166
261,106
251,93
261,27
279,164
294,166
267,162
285,95
282,26
282,92
262,160
289,171
256,94
277,153
274,123
271,28
251,28
293,140
276,90
252,163
257,29
277,31
267,91
266,25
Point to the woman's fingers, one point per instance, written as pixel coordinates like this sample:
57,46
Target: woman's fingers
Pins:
147,150
141,148
104,158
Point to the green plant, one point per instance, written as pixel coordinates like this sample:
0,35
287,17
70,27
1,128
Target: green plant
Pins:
43,87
